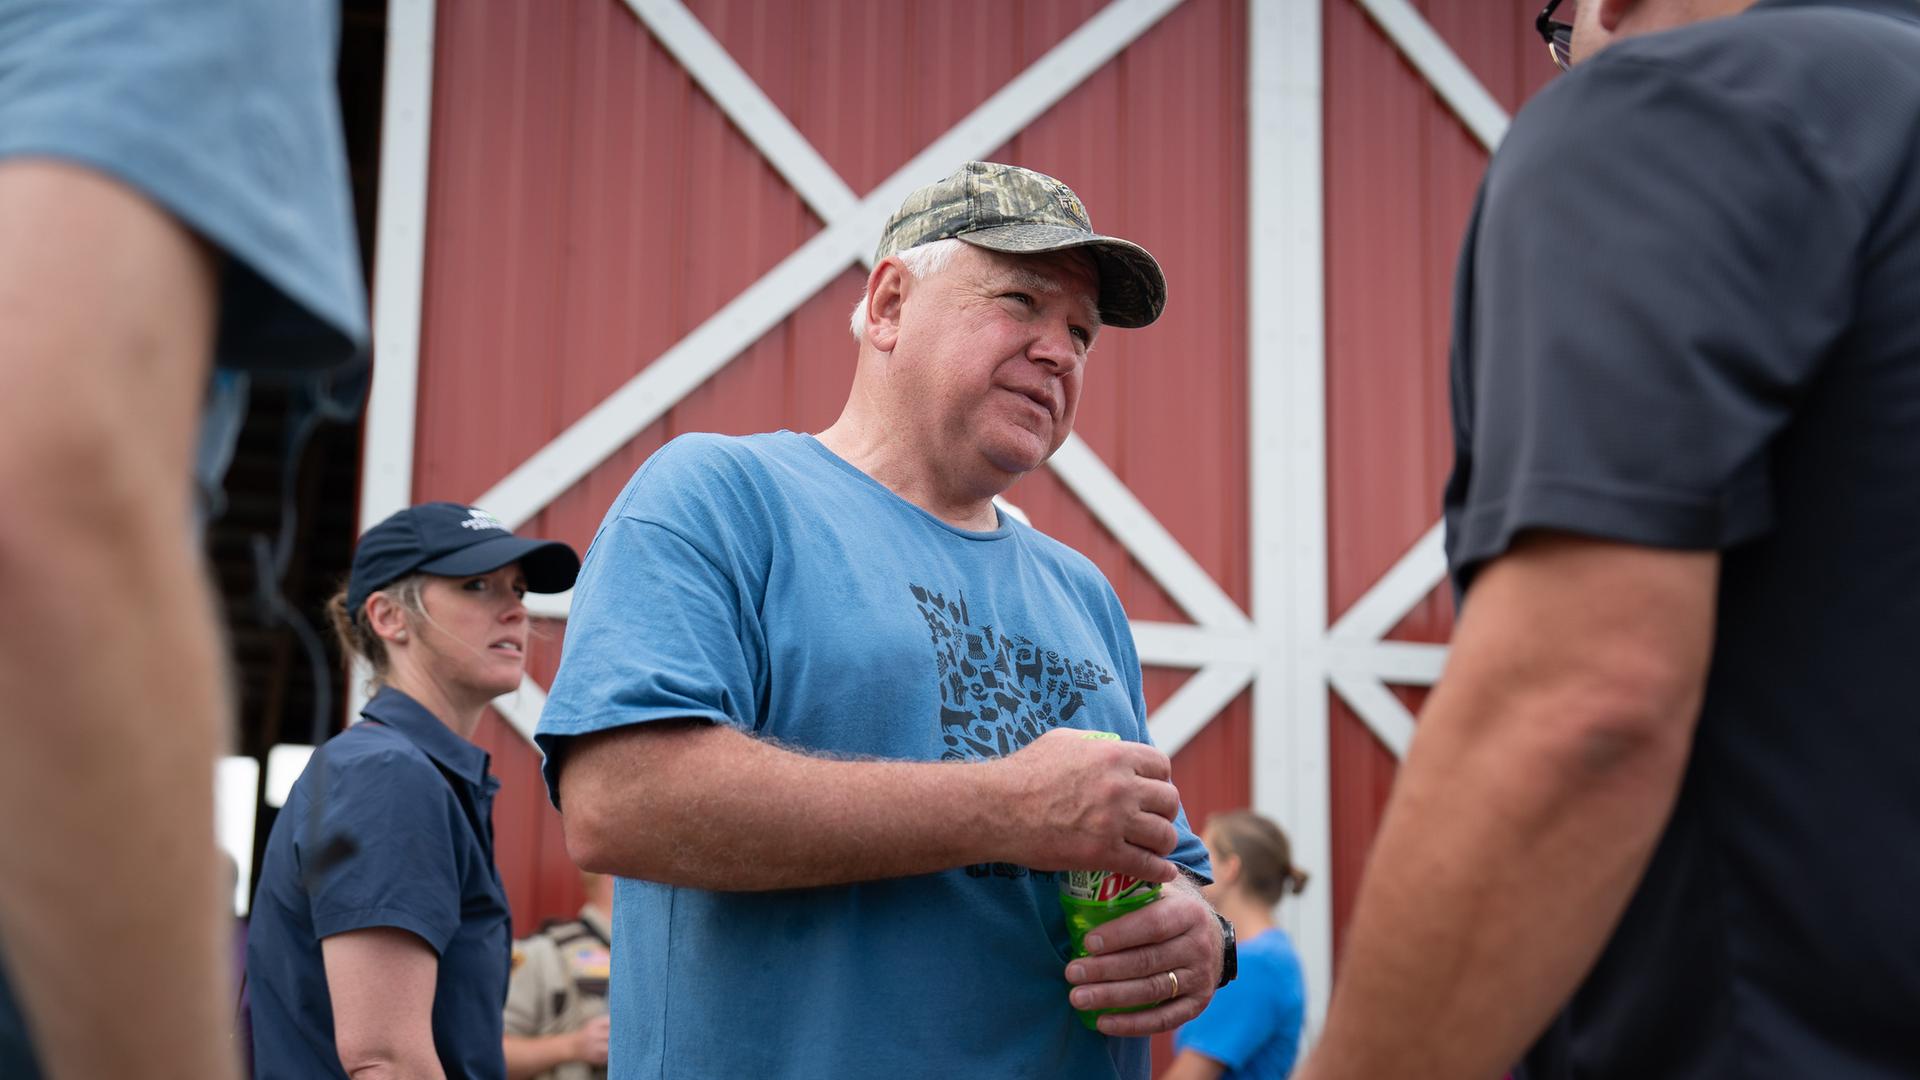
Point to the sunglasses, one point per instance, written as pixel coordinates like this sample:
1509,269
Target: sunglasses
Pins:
1557,35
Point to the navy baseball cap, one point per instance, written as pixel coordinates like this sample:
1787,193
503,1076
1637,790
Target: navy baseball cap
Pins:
452,540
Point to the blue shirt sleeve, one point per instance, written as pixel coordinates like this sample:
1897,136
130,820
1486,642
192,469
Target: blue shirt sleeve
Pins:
665,620
401,816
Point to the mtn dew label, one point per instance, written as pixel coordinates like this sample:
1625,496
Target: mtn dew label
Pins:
1091,897
1105,886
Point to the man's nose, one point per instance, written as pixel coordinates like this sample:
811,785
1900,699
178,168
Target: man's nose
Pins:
1056,347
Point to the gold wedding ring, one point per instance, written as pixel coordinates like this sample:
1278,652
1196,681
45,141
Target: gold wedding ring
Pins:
1175,980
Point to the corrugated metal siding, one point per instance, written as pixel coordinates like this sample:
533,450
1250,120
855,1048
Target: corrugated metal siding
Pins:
871,82
1401,176
589,206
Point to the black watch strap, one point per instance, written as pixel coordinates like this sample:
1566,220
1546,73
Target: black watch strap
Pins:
1229,952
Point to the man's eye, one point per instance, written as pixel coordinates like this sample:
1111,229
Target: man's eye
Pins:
1082,335
476,585
1021,298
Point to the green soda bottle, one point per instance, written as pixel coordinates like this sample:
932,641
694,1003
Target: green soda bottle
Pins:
1091,897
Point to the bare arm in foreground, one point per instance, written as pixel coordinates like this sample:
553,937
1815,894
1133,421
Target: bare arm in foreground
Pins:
113,909
1545,767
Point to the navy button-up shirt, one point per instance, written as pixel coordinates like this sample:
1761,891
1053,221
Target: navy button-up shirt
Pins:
415,803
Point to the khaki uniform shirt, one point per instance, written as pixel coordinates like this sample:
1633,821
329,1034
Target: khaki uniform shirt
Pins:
560,982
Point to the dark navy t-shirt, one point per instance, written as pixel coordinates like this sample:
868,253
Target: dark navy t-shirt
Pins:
1688,317
416,803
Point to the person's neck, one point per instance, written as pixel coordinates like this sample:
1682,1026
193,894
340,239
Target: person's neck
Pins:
1248,916
893,464
460,716
1658,18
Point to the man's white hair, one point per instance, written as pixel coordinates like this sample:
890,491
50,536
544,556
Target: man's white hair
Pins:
922,261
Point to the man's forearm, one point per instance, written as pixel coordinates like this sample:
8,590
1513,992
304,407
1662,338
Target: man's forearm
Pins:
115,922
1485,900
111,865
1545,767
113,910
713,808
722,810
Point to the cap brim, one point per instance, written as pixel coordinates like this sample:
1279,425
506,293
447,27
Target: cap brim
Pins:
550,565
1133,291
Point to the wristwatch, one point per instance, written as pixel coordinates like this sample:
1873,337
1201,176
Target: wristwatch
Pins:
1229,952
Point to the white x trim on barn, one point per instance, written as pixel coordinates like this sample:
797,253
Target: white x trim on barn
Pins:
1284,649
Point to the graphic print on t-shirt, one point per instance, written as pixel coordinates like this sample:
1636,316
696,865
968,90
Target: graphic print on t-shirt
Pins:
999,690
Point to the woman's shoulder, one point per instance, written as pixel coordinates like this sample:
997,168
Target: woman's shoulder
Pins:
377,783
369,756
1273,944
1270,957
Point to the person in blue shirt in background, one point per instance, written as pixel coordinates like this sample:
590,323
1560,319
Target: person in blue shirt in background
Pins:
1251,1031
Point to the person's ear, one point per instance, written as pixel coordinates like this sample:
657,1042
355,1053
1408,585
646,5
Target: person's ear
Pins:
387,618
1611,12
886,294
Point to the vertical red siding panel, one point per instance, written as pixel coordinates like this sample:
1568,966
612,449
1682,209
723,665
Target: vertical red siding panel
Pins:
1382,280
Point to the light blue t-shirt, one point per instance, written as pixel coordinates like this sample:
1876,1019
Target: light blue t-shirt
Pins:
765,583
1252,1026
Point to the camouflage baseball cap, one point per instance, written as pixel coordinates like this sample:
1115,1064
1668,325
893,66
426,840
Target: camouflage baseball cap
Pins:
1018,211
